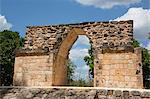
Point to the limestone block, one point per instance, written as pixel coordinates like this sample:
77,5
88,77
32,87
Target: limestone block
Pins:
106,67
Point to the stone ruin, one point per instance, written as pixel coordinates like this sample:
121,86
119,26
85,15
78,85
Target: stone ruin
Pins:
42,60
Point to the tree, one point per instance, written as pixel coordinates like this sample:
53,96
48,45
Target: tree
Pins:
9,42
90,62
21,42
146,67
135,43
70,70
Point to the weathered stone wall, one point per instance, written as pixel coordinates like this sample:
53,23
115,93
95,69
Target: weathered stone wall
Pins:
121,70
113,40
73,93
33,70
112,35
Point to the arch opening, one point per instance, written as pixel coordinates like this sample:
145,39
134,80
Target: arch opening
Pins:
60,77
80,66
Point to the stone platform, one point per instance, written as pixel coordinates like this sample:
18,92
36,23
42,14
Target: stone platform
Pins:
72,93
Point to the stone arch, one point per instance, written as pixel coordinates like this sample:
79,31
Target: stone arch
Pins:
60,69
115,65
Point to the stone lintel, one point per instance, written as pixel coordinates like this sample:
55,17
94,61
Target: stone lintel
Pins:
125,49
27,52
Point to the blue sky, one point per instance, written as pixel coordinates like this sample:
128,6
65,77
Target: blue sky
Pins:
21,13
77,53
17,14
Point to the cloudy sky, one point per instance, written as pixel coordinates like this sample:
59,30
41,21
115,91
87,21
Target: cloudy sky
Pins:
77,53
17,14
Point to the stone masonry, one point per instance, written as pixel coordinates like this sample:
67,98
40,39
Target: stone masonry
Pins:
73,93
42,61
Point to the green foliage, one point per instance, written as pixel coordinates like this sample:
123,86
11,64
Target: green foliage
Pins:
9,42
135,43
21,42
146,67
70,70
90,62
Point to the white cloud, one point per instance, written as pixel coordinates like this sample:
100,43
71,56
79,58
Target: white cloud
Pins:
78,54
81,72
148,46
141,18
82,40
4,25
106,4
78,51
83,68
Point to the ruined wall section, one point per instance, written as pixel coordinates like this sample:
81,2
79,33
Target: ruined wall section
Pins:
120,70
111,42
104,35
33,70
